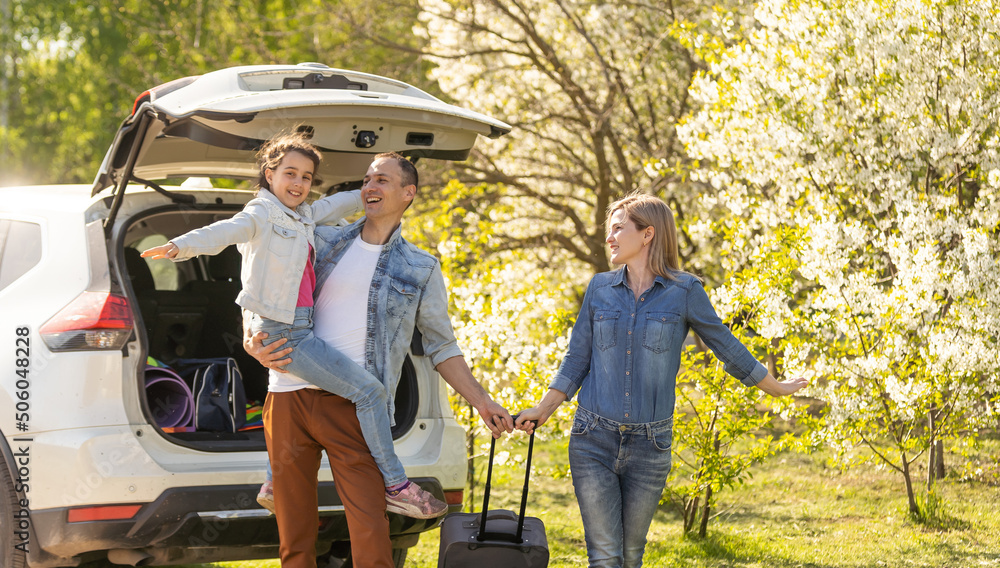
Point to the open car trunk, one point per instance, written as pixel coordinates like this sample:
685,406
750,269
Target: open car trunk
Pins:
188,312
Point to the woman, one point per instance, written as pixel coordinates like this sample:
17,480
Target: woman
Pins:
623,358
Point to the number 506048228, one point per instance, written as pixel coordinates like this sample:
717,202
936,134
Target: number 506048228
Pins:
22,362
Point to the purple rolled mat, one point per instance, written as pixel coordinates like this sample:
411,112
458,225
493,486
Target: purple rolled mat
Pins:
169,398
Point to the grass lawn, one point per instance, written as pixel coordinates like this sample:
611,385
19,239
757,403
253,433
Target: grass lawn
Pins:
794,512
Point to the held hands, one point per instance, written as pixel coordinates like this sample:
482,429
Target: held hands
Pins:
168,250
497,418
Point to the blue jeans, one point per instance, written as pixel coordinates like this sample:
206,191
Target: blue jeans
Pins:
316,361
619,472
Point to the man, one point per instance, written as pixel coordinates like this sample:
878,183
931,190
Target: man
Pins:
398,287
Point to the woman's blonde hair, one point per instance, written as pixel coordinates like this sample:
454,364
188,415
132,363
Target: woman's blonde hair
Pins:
648,211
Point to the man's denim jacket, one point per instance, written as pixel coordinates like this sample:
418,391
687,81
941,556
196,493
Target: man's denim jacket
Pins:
407,291
624,352
274,242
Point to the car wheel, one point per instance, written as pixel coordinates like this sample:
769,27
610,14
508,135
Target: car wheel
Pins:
330,561
10,555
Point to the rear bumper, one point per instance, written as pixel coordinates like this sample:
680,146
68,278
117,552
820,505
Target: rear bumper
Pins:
189,525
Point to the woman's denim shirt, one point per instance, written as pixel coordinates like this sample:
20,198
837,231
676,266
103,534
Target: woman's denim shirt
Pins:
407,292
274,242
624,352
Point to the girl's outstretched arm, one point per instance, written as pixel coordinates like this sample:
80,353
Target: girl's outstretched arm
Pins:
168,250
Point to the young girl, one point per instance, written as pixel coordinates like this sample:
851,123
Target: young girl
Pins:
274,233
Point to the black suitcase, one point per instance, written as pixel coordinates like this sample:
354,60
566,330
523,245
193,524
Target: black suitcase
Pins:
512,541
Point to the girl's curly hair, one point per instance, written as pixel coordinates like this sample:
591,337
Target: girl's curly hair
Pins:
274,150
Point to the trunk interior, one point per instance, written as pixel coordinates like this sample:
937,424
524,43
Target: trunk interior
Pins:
188,311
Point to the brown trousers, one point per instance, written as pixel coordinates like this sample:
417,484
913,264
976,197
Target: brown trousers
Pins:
298,426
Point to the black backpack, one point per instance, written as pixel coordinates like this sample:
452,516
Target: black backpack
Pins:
220,402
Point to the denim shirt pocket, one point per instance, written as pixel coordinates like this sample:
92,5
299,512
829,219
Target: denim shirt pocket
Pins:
659,333
606,328
401,295
282,241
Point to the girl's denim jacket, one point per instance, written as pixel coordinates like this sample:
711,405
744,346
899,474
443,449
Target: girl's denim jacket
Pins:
625,352
274,242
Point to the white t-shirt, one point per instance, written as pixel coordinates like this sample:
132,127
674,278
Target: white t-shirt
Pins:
340,315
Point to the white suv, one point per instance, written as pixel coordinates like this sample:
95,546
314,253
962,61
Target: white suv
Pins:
89,471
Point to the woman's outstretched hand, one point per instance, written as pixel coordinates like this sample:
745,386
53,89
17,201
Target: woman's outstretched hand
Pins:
774,387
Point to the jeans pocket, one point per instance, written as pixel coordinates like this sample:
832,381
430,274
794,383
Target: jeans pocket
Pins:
659,332
662,439
581,425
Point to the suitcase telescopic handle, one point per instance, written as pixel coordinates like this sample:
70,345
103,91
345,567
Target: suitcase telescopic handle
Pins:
483,535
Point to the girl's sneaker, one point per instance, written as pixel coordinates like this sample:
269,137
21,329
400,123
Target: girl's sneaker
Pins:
266,496
413,501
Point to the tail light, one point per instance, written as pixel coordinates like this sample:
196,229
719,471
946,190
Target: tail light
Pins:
454,497
102,513
93,321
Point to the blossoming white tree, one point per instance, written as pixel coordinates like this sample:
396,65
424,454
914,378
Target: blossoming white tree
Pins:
871,126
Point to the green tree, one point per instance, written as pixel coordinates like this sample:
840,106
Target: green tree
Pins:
75,67
720,427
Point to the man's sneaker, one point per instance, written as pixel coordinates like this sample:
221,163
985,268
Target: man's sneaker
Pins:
266,496
413,501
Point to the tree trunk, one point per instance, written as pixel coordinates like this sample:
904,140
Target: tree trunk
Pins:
909,486
931,477
690,512
705,511
939,459
931,449
707,507
935,452
772,357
